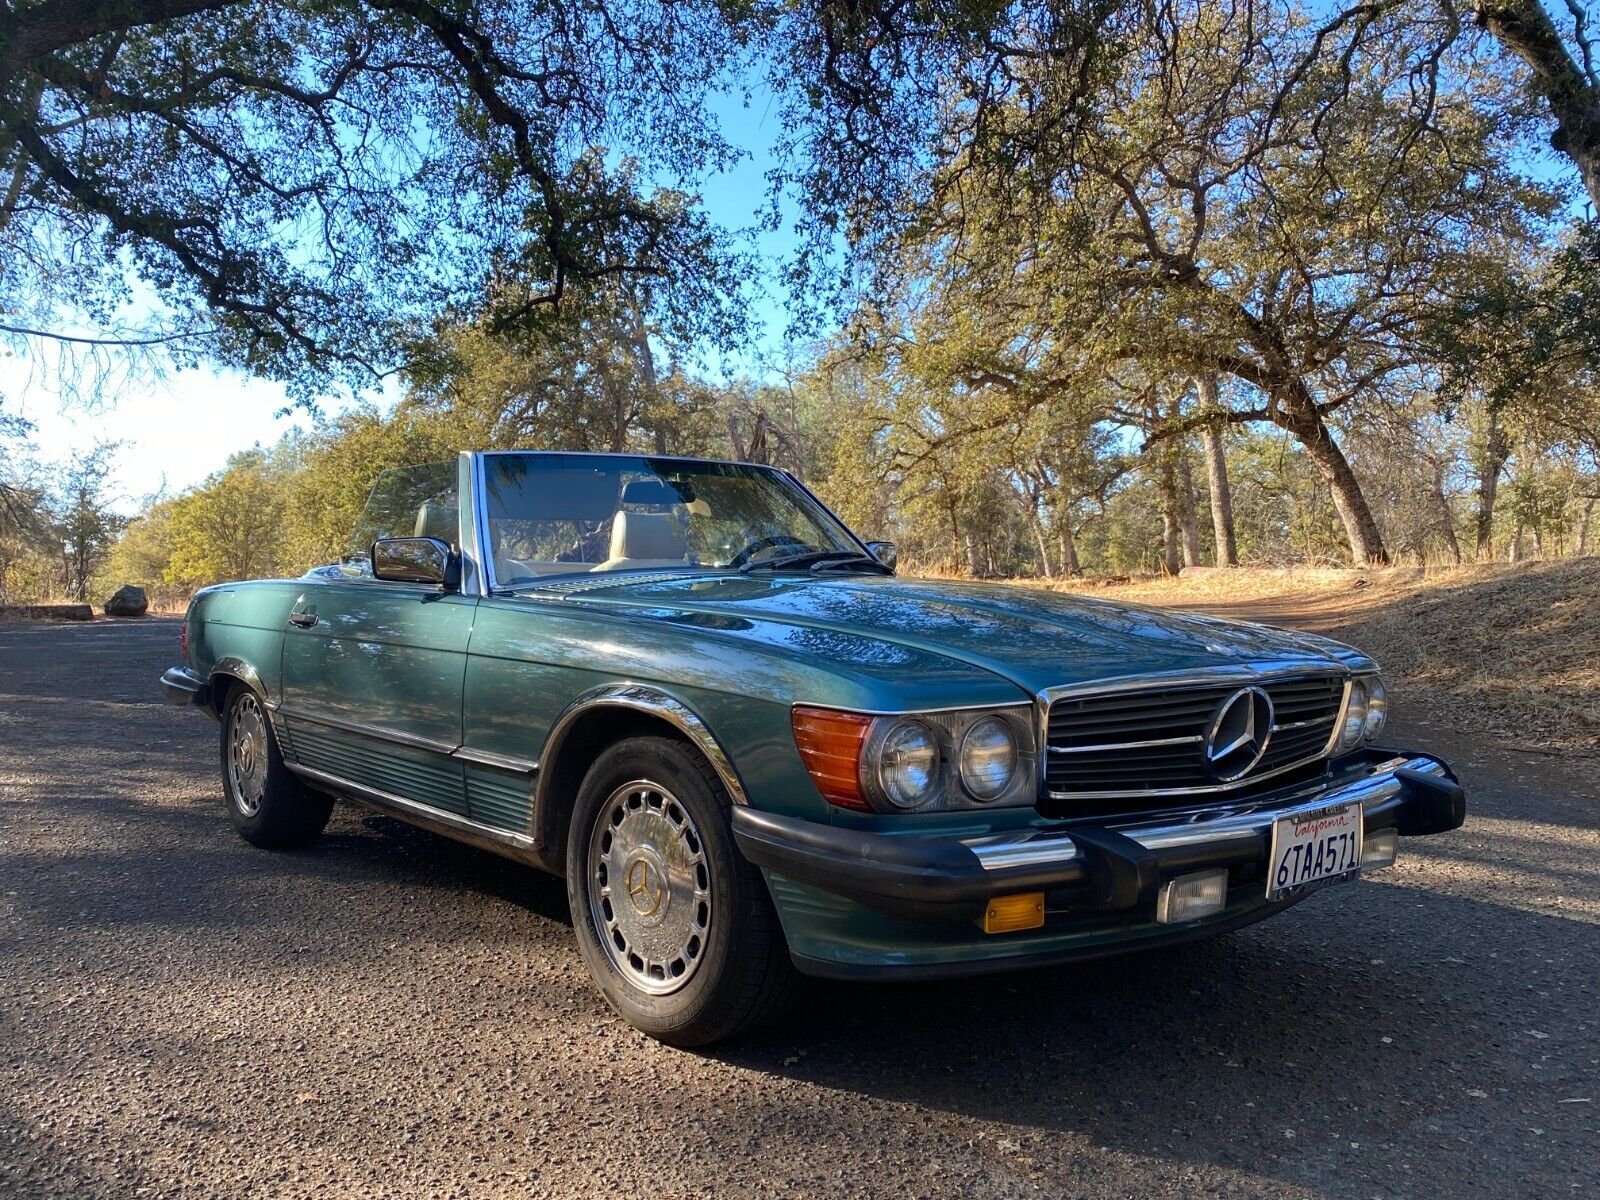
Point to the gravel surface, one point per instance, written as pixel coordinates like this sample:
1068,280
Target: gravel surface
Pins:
391,1014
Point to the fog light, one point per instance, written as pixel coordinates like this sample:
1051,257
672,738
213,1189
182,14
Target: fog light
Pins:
1007,914
1190,897
1379,849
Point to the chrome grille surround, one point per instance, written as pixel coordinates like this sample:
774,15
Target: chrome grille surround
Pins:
1086,756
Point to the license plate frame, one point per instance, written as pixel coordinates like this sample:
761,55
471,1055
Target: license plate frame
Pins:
1313,848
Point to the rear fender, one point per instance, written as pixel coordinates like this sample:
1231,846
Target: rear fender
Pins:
228,669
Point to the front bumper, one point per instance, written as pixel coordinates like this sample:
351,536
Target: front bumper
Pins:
1113,868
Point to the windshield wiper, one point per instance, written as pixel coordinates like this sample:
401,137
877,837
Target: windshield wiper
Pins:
814,559
855,560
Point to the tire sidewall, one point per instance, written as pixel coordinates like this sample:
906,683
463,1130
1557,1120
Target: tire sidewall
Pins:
663,762
289,814
246,823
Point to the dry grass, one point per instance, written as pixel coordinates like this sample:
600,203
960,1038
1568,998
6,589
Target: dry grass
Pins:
1508,651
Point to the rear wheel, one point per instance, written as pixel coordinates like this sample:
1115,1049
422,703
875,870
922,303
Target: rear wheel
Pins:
269,805
676,927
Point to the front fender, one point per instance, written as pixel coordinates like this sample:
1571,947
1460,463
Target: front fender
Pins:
637,697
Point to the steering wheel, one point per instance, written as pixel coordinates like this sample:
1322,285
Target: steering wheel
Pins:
766,543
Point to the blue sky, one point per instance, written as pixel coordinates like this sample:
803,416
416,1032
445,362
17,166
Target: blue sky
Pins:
177,430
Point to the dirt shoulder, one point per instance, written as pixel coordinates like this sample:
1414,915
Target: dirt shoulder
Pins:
1511,652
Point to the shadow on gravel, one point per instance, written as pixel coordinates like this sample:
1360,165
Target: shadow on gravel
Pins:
201,882
1211,1051
56,1166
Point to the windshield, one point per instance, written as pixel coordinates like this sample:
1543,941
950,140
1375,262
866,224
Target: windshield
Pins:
556,514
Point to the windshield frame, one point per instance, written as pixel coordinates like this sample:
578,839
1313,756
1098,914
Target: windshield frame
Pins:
481,531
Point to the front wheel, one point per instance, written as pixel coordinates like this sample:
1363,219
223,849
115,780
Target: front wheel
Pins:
676,927
269,805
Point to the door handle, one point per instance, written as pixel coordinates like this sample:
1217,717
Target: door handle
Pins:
305,620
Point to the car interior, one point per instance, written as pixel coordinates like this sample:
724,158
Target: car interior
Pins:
639,524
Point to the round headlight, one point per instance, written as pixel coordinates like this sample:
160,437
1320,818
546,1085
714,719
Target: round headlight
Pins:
1355,716
908,764
988,758
1377,708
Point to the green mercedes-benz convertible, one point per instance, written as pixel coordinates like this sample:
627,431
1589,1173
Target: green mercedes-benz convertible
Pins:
752,750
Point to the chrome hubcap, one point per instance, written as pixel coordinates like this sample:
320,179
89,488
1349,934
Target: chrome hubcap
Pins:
649,887
247,755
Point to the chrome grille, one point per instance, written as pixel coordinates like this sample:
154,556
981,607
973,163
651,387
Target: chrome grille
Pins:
1151,741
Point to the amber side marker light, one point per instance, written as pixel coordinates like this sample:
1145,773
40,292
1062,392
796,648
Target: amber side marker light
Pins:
1008,914
830,744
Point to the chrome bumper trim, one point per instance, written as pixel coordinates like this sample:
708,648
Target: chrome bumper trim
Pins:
182,686
1040,847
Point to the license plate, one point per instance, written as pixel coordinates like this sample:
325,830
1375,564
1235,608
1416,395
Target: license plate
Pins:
1313,848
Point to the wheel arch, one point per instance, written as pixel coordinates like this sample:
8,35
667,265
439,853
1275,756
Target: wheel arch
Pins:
601,718
226,672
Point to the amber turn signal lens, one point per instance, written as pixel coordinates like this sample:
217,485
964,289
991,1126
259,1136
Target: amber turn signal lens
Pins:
1008,914
830,744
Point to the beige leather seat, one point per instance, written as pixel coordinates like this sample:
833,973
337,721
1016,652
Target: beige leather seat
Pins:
641,539
436,520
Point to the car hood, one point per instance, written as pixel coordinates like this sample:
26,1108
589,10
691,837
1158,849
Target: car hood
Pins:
1030,636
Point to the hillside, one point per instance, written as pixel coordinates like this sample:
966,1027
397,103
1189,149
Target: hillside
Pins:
1512,652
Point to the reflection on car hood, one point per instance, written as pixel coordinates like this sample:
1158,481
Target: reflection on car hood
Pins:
1033,637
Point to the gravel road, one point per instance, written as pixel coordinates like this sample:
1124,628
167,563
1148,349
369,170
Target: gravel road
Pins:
391,1014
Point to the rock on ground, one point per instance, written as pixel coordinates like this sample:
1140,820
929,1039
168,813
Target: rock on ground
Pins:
128,601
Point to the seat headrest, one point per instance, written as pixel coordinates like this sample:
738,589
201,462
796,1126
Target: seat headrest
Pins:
645,535
438,521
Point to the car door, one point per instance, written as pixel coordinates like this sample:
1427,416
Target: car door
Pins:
372,678
373,669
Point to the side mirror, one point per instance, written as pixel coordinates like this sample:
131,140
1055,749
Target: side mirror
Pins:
885,553
416,560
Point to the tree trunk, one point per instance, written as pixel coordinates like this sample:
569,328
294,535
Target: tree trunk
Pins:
639,342
1578,551
1217,478
1068,545
955,527
1524,27
1187,524
1298,414
1495,452
1029,493
1167,490
1447,522
1044,546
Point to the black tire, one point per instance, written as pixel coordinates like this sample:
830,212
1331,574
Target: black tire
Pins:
269,805
736,972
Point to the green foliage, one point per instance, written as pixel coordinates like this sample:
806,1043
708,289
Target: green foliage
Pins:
86,524
229,528
1084,241
305,185
335,468
1247,193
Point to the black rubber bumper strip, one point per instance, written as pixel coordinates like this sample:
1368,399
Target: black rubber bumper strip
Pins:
182,686
928,877
941,879
1433,804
